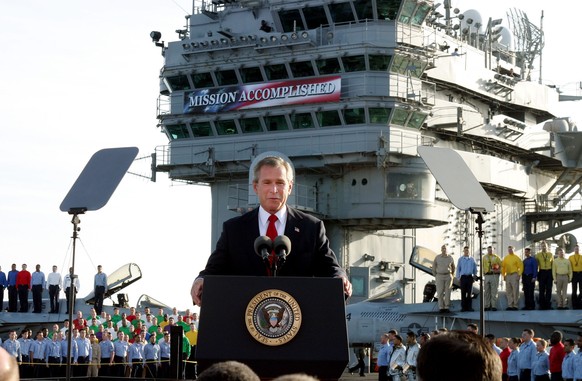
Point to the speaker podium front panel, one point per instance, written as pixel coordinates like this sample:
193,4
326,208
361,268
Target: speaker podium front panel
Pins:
276,326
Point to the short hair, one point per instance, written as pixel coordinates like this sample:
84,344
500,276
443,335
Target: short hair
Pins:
472,358
516,340
411,334
275,162
295,377
228,371
393,331
472,326
531,331
569,341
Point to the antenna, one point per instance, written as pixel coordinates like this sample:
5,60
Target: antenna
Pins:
530,40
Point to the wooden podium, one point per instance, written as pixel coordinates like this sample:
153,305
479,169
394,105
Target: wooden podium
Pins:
276,326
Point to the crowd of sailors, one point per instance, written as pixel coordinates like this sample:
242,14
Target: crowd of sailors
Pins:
117,345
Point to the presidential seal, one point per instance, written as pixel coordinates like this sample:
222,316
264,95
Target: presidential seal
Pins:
273,317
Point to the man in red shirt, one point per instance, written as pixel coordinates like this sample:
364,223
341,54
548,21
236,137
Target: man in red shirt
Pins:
23,280
556,355
80,323
504,355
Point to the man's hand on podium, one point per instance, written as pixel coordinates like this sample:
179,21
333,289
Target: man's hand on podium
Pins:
196,291
347,287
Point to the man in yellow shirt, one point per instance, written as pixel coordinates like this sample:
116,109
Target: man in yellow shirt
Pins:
576,262
545,260
562,273
511,269
491,270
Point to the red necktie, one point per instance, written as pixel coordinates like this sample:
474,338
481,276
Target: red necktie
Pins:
272,234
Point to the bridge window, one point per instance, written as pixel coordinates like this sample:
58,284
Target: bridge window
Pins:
299,121
277,71
341,12
291,20
328,66
415,186
178,131
416,120
276,123
354,63
407,66
388,9
379,62
354,115
302,69
379,115
400,116
225,127
315,17
178,83
408,8
364,9
328,118
202,80
421,12
200,129
249,125
251,74
226,77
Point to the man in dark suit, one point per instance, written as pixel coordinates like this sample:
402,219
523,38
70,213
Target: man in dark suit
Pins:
310,252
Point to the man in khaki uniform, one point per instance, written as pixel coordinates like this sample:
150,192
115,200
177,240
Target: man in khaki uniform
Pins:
443,270
491,270
562,274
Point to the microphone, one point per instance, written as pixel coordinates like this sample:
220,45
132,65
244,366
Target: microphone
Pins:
282,246
263,246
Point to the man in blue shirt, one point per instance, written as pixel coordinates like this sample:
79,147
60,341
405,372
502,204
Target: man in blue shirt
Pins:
100,289
12,291
383,360
38,284
528,278
527,354
3,284
466,270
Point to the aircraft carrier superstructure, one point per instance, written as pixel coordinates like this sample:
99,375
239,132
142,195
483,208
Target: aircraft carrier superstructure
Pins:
348,89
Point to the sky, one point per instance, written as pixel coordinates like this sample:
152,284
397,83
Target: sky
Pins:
78,77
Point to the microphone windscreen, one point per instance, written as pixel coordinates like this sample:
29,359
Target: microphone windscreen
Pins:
282,242
263,243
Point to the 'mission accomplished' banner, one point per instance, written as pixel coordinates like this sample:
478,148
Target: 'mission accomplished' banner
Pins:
312,90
